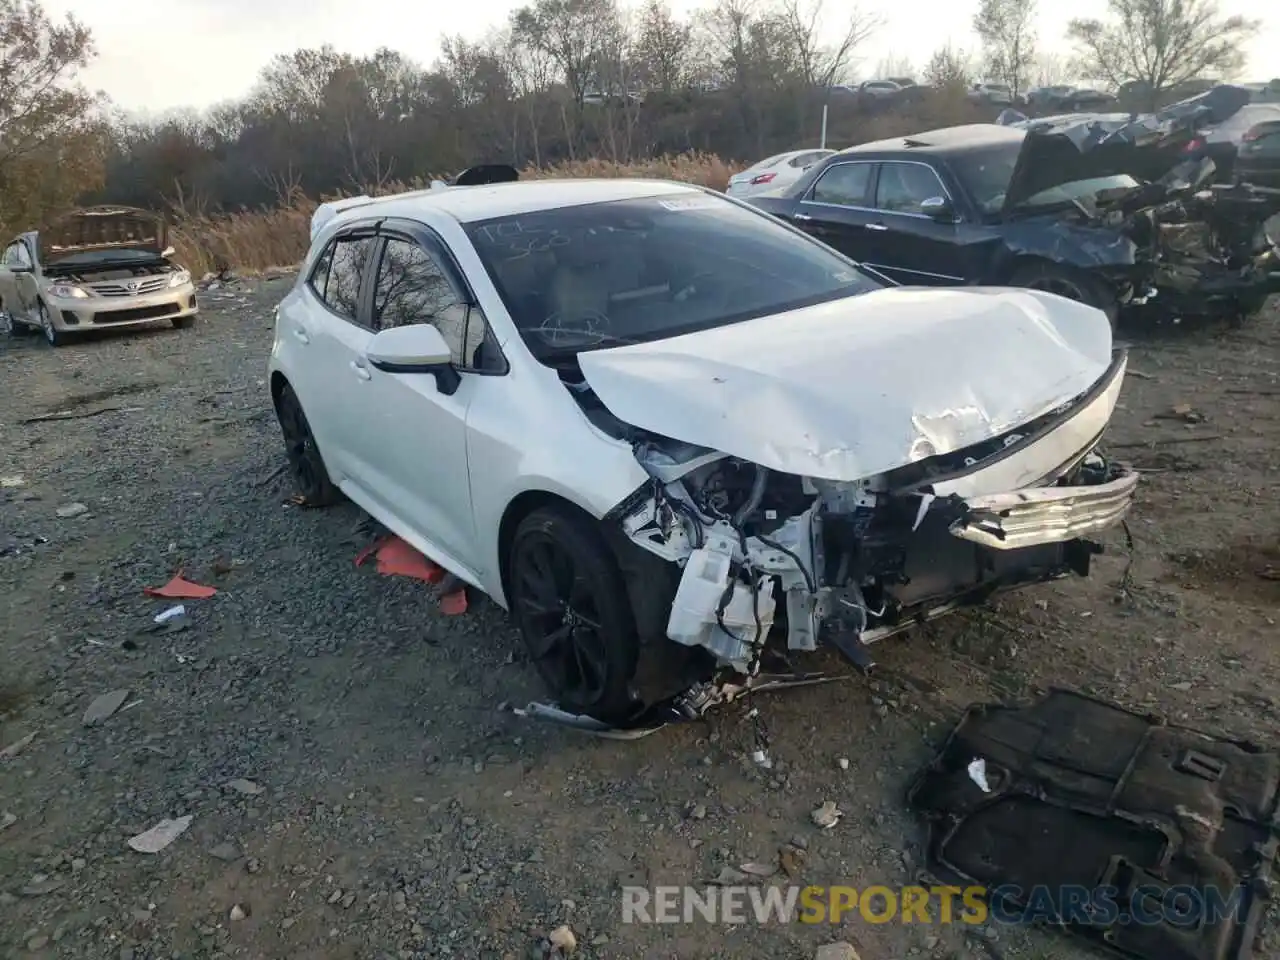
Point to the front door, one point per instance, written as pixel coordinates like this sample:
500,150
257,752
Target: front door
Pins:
914,248
411,454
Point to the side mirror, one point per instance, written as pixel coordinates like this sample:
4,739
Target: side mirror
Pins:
168,252
415,349
938,208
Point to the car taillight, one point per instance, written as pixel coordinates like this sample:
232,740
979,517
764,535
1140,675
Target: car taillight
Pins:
1193,145
1251,135
763,178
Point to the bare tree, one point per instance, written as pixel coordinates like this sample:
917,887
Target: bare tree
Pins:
663,48
948,69
572,33
1008,37
1050,70
893,65
51,142
1152,45
822,65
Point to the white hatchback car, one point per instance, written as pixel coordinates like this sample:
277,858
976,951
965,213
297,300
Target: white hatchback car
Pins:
670,433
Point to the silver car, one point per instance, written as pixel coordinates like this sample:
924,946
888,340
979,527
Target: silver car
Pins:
94,268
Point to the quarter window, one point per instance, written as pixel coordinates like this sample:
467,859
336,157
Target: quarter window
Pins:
845,184
411,288
903,187
336,278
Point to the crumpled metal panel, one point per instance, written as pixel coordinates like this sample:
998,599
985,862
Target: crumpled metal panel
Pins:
851,389
1080,146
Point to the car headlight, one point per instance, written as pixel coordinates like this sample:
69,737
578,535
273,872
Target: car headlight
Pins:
67,291
179,278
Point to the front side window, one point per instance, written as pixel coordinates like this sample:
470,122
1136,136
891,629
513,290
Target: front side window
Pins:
904,187
602,274
336,277
412,288
846,184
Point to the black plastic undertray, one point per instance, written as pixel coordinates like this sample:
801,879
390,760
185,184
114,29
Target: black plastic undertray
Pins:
1085,795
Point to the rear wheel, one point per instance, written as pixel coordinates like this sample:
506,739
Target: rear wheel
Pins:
12,324
570,602
1070,283
305,462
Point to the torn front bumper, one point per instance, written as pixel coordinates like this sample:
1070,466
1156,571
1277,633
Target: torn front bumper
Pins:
1045,515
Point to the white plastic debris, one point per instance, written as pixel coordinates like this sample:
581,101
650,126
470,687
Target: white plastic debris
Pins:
246,787
827,815
72,510
12,482
166,616
103,707
978,774
160,836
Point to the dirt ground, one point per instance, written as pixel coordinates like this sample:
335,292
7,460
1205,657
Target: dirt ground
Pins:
402,813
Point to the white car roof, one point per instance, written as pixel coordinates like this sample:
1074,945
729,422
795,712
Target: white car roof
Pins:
471,204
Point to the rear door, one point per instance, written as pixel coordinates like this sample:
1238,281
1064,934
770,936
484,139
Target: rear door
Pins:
836,208
331,328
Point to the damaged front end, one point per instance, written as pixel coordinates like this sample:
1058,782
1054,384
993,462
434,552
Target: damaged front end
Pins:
1202,250
867,559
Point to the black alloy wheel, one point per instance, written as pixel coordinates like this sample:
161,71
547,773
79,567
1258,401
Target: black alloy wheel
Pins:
305,463
571,605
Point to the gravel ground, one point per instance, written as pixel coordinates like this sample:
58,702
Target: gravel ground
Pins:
394,810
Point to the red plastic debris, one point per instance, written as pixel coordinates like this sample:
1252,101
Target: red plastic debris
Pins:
180,589
397,559
454,604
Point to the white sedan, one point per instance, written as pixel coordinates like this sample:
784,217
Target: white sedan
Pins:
671,434
773,173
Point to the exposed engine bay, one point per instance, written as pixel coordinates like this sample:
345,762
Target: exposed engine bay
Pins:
760,549
1201,248
108,271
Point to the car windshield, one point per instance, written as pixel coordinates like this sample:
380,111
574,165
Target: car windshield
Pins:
625,271
986,174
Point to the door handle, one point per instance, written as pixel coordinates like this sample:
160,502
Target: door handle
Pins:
876,226
801,216
301,334
361,370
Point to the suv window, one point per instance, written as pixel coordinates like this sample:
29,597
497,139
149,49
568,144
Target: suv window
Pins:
336,278
16,255
411,288
846,184
903,187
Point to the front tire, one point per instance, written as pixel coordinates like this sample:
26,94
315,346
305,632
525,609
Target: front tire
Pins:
305,463
1070,283
52,335
183,323
571,605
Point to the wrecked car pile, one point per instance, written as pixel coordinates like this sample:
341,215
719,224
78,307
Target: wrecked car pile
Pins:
1201,247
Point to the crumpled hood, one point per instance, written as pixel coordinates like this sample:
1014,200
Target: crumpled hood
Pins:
854,388
1081,146
103,228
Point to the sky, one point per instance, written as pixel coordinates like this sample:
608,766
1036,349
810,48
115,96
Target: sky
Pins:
155,55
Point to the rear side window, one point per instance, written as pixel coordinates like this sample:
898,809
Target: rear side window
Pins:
846,184
336,278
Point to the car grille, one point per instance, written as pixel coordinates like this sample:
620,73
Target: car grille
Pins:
137,313
114,289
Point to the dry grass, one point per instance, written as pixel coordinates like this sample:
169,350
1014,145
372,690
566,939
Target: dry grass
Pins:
257,240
